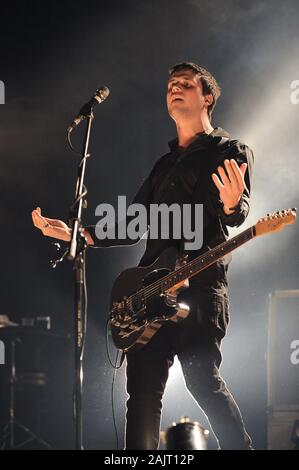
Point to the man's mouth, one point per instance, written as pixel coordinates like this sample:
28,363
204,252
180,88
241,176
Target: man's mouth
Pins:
176,98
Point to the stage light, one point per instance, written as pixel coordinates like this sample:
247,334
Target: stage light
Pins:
185,435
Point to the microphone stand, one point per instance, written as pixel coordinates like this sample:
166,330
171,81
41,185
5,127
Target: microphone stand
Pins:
76,253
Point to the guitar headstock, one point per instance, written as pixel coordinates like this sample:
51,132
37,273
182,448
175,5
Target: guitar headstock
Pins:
275,221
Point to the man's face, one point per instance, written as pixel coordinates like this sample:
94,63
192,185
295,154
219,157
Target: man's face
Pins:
184,95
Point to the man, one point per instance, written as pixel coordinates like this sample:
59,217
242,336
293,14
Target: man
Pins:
203,166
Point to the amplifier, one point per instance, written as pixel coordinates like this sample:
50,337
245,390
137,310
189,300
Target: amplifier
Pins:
283,369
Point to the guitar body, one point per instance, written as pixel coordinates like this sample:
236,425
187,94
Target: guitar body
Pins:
133,321
144,298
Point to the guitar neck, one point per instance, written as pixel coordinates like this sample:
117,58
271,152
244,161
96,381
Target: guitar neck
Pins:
206,259
271,223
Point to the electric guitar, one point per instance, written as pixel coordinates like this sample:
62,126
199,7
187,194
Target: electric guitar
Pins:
144,298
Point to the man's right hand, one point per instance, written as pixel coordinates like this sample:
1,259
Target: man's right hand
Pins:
51,227
55,228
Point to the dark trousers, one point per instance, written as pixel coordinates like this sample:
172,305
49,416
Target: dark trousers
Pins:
196,341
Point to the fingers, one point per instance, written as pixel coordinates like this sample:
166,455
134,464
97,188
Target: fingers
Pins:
217,181
233,176
34,217
230,182
239,172
231,173
243,168
56,229
228,176
50,227
224,178
38,220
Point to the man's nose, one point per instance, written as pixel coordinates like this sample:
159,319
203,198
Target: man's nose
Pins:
176,87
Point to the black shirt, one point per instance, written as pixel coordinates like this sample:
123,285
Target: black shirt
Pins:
184,176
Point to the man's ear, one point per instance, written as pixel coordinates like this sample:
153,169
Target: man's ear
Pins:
209,99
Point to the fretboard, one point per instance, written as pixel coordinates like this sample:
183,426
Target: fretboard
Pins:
200,263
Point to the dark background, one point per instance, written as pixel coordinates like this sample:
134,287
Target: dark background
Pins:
54,55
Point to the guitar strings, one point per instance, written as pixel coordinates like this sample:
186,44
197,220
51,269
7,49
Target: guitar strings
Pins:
150,291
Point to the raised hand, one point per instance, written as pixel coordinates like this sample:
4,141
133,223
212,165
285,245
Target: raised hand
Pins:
231,183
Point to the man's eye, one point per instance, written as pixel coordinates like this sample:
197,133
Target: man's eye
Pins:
184,84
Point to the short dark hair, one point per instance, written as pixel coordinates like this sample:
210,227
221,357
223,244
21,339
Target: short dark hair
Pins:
208,82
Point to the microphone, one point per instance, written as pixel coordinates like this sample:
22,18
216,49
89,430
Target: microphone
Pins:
100,95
